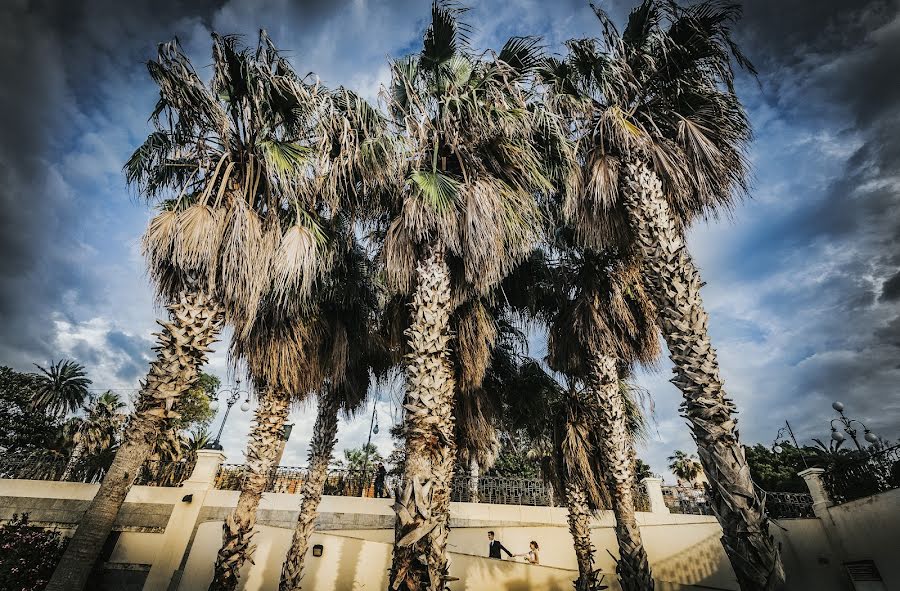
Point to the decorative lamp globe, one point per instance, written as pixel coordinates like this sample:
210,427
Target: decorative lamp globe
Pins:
871,437
375,429
778,449
838,406
214,405
837,435
245,405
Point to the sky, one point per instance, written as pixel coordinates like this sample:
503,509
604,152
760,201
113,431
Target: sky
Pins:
802,278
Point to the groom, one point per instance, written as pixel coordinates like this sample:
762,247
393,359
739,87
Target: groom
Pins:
494,547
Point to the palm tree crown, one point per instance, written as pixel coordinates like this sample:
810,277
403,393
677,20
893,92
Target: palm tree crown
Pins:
62,388
242,168
471,159
664,88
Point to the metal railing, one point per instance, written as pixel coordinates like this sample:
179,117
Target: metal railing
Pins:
161,473
496,490
32,467
686,500
289,479
875,473
788,505
35,467
501,490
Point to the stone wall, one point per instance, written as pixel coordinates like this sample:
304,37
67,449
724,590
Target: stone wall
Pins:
166,538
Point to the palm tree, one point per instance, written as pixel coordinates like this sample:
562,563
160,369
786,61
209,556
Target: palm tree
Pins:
600,324
97,431
561,424
289,347
684,466
326,345
230,163
463,215
660,140
182,347
61,389
349,351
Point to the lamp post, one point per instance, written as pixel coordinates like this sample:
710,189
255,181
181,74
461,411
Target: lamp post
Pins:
234,394
847,427
776,444
373,428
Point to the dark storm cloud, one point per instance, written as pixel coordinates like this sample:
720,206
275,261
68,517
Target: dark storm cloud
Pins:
808,281
890,289
828,70
135,347
56,58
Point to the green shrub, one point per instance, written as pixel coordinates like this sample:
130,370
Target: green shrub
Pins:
28,554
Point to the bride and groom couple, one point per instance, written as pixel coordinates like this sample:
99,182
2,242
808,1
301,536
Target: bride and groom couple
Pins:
495,546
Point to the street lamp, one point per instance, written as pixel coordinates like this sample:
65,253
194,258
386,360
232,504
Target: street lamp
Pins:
373,428
847,427
776,444
233,395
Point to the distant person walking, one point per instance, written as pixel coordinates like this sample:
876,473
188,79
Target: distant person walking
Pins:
380,475
494,547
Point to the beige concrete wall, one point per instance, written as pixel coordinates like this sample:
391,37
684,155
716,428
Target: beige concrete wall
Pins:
809,559
869,529
682,548
350,563
688,553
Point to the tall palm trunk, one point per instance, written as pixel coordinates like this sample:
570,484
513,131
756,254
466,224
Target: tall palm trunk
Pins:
195,321
262,452
580,528
320,449
618,460
423,504
77,454
474,476
675,284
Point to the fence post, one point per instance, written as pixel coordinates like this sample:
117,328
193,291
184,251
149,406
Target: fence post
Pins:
183,519
653,486
816,486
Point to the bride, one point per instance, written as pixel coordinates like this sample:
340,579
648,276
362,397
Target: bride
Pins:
532,555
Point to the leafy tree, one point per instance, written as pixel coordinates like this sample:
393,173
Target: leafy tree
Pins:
684,466
355,458
516,462
777,472
642,470
22,428
28,554
61,389
193,405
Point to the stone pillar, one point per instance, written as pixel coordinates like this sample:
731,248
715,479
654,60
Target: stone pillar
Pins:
821,500
183,520
653,487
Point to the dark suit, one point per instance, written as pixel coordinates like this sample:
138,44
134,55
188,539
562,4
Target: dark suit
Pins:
495,548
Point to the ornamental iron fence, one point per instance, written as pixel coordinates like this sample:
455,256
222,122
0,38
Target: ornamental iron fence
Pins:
788,505
496,490
43,467
289,479
501,490
686,500
877,472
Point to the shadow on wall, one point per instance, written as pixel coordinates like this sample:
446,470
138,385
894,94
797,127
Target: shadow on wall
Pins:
353,564
703,562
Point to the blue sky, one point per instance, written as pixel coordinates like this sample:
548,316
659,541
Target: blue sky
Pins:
802,277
